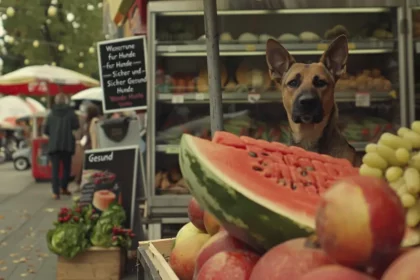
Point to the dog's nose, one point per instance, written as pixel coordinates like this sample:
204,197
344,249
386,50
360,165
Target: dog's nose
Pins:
308,100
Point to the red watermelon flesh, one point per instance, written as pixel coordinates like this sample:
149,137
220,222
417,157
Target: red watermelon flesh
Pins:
263,193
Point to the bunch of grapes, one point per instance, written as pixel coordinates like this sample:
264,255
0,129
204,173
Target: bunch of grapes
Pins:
397,159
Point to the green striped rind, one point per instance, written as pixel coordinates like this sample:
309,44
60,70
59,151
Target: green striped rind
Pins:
240,216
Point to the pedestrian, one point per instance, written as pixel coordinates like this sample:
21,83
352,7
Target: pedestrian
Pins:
89,135
60,126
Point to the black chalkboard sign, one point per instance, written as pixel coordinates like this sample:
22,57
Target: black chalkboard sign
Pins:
110,175
122,67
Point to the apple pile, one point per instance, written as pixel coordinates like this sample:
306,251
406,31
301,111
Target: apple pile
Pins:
360,225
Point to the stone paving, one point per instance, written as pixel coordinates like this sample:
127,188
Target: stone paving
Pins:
26,213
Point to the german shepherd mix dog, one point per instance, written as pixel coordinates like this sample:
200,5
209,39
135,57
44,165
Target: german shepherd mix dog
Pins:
308,97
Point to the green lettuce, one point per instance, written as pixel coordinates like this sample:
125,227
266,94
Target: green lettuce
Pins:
102,231
67,240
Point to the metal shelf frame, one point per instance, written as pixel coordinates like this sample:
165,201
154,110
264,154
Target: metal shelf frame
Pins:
170,205
413,46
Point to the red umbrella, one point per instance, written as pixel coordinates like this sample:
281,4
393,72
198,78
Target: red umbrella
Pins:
44,80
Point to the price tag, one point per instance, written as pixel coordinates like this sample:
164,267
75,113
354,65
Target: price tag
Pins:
172,49
362,99
172,150
254,97
322,47
250,48
352,46
177,99
200,96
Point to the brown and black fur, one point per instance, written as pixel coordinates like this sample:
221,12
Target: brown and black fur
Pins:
316,132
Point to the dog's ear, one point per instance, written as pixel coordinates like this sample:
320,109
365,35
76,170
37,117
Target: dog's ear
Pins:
335,57
278,60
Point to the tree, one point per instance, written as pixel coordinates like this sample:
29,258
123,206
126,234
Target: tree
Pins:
55,32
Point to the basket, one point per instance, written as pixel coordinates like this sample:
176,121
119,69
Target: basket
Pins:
152,260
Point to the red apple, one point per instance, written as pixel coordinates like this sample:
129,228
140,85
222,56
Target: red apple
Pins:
233,265
211,224
406,267
289,260
184,254
196,214
360,221
220,242
335,272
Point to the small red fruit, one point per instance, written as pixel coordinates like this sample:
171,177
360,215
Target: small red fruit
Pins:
236,265
360,221
76,219
196,214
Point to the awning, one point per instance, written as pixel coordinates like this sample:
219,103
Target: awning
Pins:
119,9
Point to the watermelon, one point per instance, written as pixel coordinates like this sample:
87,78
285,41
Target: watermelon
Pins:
262,193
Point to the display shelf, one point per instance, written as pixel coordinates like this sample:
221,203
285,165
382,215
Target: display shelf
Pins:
173,60
198,48
266,97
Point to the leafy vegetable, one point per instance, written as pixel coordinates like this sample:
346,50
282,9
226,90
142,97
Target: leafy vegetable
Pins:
77,228
102,231
67,240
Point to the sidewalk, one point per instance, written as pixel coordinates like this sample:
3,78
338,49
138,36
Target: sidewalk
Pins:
27,211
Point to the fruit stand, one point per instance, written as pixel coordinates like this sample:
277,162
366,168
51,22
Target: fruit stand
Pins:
372,98
262,209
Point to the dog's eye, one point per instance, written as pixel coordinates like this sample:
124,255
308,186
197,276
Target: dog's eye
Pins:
319,83
293,83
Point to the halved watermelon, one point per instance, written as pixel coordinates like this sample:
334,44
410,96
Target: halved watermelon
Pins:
263,193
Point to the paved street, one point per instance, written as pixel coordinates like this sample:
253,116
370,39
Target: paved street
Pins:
26,213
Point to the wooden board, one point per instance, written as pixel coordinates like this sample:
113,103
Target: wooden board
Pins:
94,264
158,252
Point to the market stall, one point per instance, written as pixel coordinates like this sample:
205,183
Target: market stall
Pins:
372,98
254,208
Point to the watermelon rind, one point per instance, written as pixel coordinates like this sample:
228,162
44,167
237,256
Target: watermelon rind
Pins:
245,216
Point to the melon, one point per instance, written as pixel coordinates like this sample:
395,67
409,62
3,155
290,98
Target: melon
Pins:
262,193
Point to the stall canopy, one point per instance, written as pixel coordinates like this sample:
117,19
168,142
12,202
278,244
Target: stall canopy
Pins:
44,80
13,107
93,94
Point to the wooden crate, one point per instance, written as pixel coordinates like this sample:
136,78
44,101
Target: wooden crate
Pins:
153,257
94,264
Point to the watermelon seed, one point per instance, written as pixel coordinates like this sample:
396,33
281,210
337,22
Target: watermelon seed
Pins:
304,173
252,154
310,168
257,168
281,181
294,187
264,154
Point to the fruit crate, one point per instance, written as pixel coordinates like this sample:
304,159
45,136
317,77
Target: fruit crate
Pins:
96,263
152,260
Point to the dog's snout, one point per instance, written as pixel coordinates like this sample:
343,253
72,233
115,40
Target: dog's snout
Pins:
308,100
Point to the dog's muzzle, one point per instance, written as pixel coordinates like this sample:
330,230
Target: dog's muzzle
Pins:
307,108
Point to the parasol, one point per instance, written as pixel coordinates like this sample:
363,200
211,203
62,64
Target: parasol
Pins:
35,104
93,94
44,80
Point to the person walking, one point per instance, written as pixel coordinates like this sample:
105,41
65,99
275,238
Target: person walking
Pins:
59,127
89,135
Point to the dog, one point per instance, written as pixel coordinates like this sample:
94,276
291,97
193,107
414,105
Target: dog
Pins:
308,97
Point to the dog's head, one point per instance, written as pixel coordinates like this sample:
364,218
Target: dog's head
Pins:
307,89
